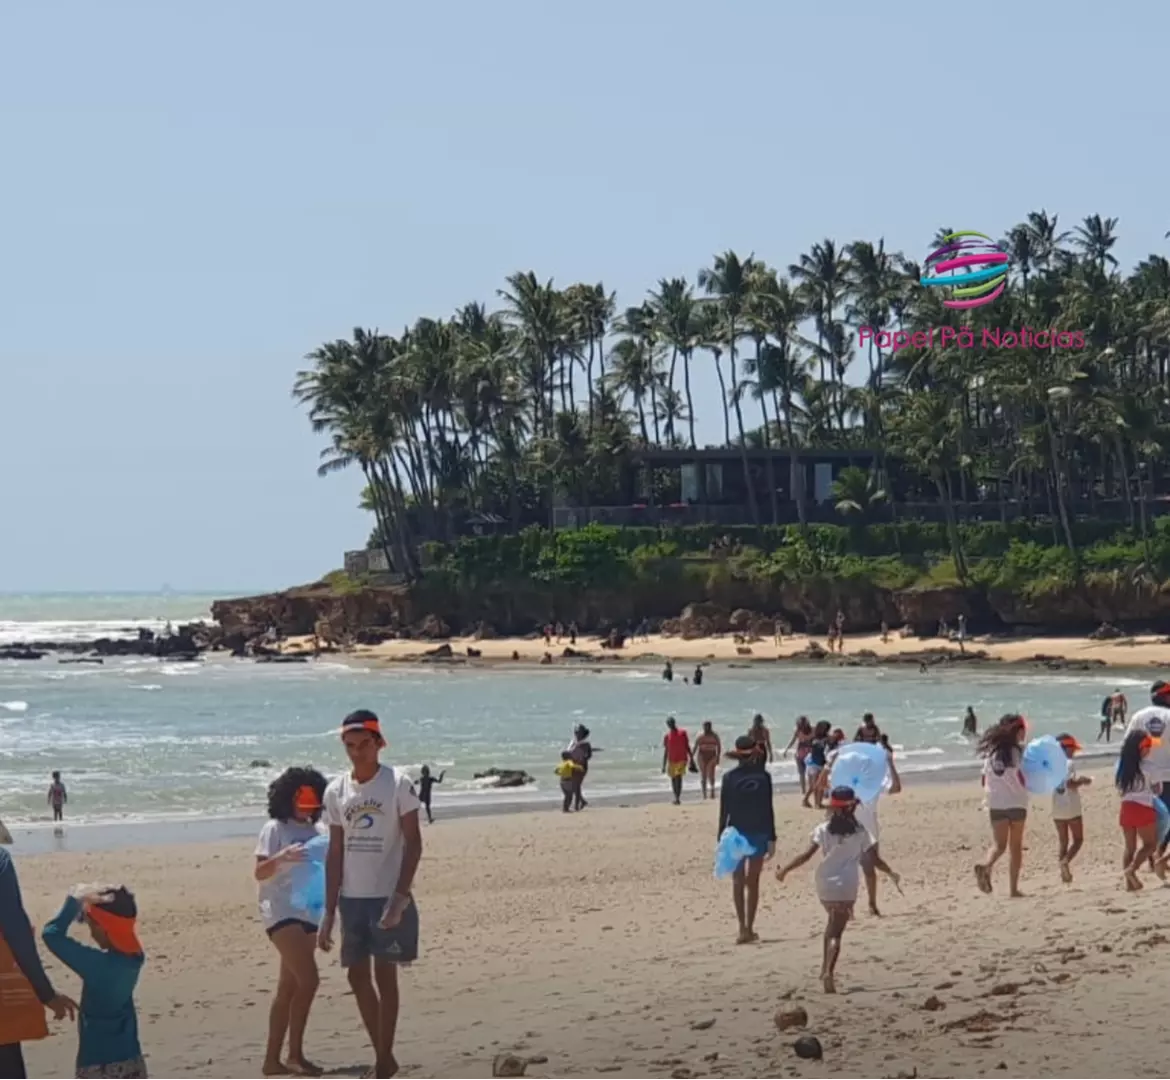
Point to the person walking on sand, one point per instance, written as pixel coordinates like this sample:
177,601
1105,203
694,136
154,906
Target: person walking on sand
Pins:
677,756
567,771
842,842
107,1024
295,802
58,797
1066,810
581,750
1007,798
708,750
425,783
745,804
375,845
19,1019
1138,817
1154,720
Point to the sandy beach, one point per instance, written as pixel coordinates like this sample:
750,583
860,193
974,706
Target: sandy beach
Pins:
1148,650
601,943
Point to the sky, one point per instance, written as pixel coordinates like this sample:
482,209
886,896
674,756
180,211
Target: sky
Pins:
197,195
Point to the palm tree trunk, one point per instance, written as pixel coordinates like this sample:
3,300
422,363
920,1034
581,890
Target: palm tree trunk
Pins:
795,467
690,400
723,398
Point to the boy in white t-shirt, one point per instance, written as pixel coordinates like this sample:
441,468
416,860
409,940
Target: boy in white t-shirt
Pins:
374,849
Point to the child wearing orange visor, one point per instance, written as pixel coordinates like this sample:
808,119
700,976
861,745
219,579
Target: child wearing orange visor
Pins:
107,1021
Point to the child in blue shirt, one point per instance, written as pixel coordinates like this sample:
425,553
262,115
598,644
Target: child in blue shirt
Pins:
107,1021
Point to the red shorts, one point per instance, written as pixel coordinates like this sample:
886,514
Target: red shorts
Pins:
1136,815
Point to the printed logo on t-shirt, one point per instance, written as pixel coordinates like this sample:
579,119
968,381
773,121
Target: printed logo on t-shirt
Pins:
1155,726
361,819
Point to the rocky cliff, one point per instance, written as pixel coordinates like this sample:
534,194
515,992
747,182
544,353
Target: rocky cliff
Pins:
424,611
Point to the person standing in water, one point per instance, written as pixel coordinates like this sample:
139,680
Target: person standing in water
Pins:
802,738
677,755
869,731
970,724
581,751
668,672
708,750
759,731
425,783
698,676
375,845
745,804
58,797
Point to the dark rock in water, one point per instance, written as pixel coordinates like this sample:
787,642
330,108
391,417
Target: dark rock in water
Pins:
809,1048
506,777
260,763
508,1065
277,658
80,660
440,652
1061,663
19,653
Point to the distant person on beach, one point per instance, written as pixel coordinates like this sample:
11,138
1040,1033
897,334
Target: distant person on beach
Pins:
759,731
1139,787
802,737
842,842
1002,748
1120,707
697,678
20,1020
745,804
425,783
1066,810
962,635
58,797
295,800
869,731
107,1024
970,723
581,750
677,756
567,772
375,845
668,672
708,750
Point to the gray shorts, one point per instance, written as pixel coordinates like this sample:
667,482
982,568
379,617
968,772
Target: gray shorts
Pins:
1016,814
362,938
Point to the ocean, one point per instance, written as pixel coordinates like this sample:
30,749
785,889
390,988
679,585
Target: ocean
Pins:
143,740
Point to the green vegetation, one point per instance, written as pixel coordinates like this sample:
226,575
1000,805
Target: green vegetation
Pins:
508,412
1018,557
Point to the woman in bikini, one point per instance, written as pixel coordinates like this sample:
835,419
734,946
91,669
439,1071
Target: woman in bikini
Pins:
759,731
802,738
708,750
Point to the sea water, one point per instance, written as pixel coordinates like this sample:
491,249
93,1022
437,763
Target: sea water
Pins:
139,739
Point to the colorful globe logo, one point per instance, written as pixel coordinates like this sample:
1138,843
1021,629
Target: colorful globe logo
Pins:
971,266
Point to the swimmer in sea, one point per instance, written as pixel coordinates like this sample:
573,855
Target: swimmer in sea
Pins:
708,750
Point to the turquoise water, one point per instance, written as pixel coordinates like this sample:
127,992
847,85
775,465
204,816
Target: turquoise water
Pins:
140,739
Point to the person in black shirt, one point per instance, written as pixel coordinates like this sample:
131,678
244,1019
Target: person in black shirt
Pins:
425,782
745,804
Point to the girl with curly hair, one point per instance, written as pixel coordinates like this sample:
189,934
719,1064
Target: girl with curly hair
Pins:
1002,749
294,808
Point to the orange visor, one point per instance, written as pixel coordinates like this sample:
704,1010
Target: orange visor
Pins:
122,931
841,804
306,799
372,726
1070,743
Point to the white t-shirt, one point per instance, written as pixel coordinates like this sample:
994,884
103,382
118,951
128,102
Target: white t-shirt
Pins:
275,905
1154,720
1143,793
1005,783
370,814
838,872
1066,800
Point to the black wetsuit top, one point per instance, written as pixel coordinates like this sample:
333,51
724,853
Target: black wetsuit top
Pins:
745,802
425,783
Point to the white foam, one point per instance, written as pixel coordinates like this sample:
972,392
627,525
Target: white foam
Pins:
14,706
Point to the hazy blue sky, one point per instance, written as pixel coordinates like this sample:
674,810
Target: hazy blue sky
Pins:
197,194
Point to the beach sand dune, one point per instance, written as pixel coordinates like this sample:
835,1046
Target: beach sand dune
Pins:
600,942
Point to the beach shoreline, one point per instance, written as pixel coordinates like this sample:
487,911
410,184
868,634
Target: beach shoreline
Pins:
1046,653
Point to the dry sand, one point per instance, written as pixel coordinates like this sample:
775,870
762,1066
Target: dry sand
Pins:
1142,651
601,942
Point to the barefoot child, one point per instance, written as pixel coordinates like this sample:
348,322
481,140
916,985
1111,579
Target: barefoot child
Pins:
1138,818
1002,747
107,1021
1066,810
568,771
842,841
745,804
